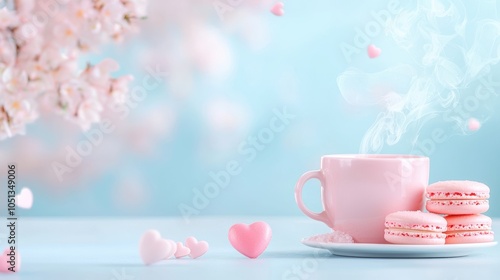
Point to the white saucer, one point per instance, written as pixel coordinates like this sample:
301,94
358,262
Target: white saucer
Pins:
400,251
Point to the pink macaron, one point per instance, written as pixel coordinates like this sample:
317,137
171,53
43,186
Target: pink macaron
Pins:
415,227
468,229
458,197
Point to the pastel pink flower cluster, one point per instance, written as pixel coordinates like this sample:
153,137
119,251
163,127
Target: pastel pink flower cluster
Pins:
41,42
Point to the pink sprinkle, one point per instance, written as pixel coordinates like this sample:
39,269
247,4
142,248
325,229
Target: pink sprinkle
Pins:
473,124
277,9
333,237
373,51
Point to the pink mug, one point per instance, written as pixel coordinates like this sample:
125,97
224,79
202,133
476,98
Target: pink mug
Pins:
358,191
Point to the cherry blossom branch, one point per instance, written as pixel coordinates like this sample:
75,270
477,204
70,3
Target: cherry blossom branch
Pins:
40,44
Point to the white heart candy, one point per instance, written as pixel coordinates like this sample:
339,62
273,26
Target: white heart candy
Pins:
25,198
152,248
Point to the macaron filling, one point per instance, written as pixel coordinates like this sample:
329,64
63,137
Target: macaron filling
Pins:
424,227
457,195
415,234
469,233
458,202
461,227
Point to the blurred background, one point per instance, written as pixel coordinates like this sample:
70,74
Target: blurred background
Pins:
253,100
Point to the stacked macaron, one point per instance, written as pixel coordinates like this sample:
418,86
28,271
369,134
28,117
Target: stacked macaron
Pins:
462,202
468,229
415,227
458,197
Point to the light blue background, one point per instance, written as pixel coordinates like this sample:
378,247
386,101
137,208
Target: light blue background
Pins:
304,55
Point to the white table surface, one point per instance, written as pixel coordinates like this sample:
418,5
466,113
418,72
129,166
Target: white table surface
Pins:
107,249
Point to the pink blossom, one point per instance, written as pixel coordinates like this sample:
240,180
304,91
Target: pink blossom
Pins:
14,112
119,88
19,109
14,80
7,50
89,111
25,7
99,74
7,18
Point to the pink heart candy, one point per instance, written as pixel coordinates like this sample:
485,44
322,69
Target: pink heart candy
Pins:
171,248
181,251
25,198
250,240
4,259
198,248
373,51
277,9
473,124
152,248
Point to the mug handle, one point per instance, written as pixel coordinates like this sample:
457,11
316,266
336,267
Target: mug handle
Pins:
322,216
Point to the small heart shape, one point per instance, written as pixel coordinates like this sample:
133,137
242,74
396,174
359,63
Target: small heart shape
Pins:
250,240
473,124
198,248
278,9
4,265
171,248
373,51
182,250
152,248
25,198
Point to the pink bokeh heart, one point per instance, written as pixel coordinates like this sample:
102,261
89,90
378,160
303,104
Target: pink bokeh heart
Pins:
373,51
250,240
198,248
5,259
473,124
181,250
278,9
152,248
171,248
